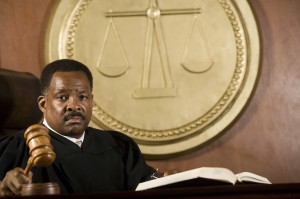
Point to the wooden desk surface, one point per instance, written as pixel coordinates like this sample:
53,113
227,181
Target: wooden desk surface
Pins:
257,191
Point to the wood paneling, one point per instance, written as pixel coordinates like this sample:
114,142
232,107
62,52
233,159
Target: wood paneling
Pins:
264,140
21,34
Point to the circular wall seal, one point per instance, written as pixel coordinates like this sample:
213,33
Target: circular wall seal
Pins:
170,74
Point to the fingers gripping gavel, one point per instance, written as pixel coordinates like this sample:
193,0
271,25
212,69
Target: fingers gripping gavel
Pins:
40,149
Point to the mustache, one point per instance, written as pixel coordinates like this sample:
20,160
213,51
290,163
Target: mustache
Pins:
73,114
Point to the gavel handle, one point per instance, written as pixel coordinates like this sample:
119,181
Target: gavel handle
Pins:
28,166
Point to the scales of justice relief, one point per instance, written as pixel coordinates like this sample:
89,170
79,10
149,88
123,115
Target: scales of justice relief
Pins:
171,74
197,64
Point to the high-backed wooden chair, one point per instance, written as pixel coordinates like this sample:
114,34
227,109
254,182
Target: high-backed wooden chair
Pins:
18,101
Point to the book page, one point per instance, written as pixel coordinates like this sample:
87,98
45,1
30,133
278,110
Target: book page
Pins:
214,173
251,177
217,173
178,177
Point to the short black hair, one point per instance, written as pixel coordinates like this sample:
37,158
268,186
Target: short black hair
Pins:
62,65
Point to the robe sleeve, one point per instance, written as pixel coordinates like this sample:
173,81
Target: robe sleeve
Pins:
13,153
136,168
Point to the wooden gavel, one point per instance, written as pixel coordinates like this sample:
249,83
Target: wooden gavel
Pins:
40,149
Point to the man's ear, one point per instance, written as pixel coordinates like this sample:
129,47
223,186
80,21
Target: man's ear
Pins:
42,103
92,101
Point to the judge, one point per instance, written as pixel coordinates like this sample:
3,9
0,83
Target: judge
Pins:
102,161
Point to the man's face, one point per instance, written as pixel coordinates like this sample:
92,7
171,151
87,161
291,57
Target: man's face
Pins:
67,107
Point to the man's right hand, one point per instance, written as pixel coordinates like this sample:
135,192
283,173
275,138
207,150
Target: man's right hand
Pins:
13,181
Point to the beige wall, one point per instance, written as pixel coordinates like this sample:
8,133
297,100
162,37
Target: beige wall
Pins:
266,138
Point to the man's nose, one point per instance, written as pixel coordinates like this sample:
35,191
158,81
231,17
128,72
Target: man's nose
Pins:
73,104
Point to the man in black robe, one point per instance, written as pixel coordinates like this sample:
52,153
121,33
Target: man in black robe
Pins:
104,161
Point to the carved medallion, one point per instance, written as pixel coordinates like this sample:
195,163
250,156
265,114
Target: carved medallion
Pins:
171,74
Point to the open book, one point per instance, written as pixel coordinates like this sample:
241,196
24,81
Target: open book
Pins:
204,176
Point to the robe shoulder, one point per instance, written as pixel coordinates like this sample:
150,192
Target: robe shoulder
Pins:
114,138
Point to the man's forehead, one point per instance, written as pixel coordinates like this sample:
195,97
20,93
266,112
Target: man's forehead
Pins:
63,81
68,89
69,77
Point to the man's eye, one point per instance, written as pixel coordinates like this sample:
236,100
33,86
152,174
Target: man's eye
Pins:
83,97
63,98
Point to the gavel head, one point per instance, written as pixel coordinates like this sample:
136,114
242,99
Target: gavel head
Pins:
40,149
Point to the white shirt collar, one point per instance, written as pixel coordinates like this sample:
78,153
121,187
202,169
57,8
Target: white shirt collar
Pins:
67,137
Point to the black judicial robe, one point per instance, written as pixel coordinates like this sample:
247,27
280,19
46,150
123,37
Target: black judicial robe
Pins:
107,161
